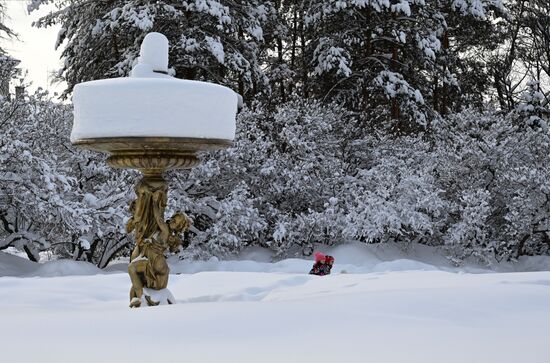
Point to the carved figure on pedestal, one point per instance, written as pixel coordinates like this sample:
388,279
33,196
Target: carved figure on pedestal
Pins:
153,236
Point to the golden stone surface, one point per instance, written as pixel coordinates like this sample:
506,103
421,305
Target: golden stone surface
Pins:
152,155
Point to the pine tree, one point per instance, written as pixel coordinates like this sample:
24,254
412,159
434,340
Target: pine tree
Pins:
8,64
218,41
531,111
398,59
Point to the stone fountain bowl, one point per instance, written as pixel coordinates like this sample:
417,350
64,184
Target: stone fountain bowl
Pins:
152,155
150,120
153,123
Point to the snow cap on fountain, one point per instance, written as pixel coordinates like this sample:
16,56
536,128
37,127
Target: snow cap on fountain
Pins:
153,57
151,103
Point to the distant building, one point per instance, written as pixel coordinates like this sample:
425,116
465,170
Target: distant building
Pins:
8,70
19,92
5,88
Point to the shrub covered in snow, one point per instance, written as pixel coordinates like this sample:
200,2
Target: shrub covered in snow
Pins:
52,196
300,174
308,173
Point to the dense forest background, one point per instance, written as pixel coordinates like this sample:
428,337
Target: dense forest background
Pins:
372,120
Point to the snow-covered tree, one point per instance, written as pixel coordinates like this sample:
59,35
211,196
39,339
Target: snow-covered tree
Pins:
287,164
492,169
8,64
308,179
402,59
215,40
53,197
5,31
531,109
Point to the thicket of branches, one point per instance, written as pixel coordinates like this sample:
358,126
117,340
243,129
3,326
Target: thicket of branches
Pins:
371,120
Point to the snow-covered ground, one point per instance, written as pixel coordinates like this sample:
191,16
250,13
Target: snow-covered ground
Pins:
380,305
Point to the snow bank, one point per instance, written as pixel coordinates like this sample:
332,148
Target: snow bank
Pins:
393,317
354,258
403,265
351,258
11,265
64,268
531,263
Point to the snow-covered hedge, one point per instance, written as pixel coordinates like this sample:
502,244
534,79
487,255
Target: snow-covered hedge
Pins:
303,173
54,197
475,183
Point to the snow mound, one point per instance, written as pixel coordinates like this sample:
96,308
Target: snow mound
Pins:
533,263
292,265
352,258
11,265
254,253
403,265
153,297
64,268
147,107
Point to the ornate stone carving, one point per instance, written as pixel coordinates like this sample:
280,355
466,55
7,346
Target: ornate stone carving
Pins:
152,155
153,234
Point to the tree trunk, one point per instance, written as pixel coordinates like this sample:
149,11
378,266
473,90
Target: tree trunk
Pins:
521,245
444,103
293,44
280,61
305,83
394,50
29,253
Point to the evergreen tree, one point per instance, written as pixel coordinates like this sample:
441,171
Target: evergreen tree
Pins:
403,59
212,40
8,64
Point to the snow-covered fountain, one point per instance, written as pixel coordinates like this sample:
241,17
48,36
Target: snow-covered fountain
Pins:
153,122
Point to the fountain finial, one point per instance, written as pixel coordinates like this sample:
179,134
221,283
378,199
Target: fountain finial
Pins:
153,57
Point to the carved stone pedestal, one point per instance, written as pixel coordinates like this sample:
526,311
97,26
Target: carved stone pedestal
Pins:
153,234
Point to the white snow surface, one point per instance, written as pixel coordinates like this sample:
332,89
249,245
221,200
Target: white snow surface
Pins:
387,306
165,107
